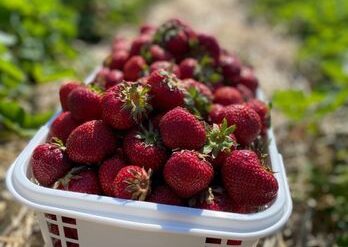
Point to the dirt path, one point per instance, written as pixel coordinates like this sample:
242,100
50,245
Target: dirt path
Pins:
269,53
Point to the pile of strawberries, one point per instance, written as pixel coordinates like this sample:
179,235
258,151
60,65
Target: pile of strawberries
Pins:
171,118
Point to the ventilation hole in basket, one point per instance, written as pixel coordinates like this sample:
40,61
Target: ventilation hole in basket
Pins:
234,242
70,233
56,242
69,220
51,217
213,241
52,228
69,244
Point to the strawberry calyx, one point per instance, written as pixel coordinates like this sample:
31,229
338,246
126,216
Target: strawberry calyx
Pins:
196,102
171,81
58,142
219,139
136,99
139,184
94,87
72,174
150,136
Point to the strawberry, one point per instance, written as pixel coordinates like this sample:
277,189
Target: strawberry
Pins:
125,104
220,142
91,142
262,109
132,182
117,60
247,121
247,181
165,195
134,68
213,201
107,173
167,90
81,180
175,36
248,79
84,104
227,96
119,44
188,68
187,173
208,45
147,29
143,148
139,43
107,78
216,114
49,163
231,67
64,92
155,53
246,93
155,120
181,129
200,87
62,126
170,67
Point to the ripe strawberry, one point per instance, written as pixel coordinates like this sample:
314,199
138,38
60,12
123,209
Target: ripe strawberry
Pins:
107,78
246,93
119,44
201,88
49,163
155,120
134,68
107,173
247,181
165,65
248,79
91,142
181,129
175,36
143,148
125,104
117,60
84,104
216,113
247,121
262,109
166,89
62,126
231,67
208,45
81,180
213,201
188,68
132,182
156,53
139,43
220,143
64,92
187,173
227,96
147,29
165,195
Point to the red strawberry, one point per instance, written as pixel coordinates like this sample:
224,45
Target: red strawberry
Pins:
132,182
107,78
214,201
91,142
201,88
209,45
227,96
165,195
84,104
140,43
49,163
64,92
220,143
246,93
62,126
262,109
82,181
187,173
247,121
247,181
188,68
248,79
143,149
134,68
230,66
157,53
107,173
166,89
119,44
117,60
181,129
125,105
170,67
156,120
216,113
147,29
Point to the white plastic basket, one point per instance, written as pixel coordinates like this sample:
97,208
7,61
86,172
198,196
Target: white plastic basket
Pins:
71,219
